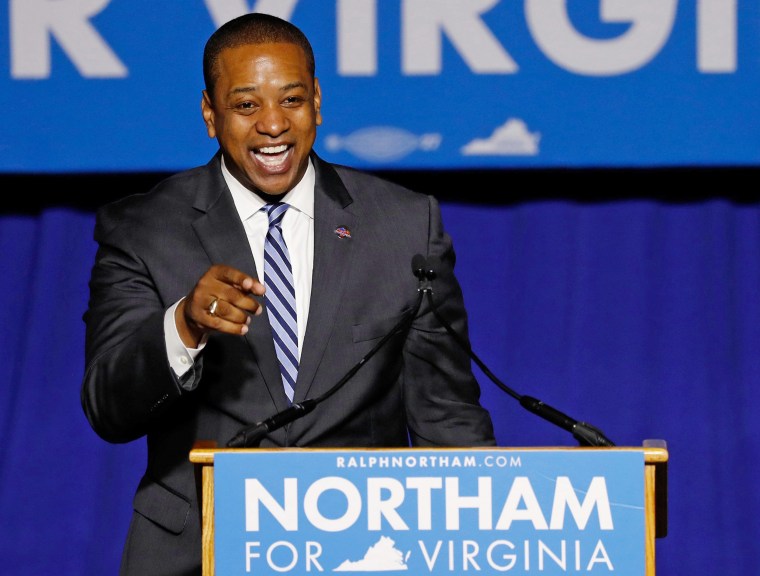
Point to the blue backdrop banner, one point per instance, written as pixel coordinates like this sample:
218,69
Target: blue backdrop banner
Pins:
115,85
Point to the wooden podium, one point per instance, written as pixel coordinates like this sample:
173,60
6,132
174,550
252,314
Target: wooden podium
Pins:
655,457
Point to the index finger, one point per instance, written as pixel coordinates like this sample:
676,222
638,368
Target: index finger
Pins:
236,278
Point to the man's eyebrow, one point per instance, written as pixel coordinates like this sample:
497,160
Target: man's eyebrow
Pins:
242,90
249,89
293,85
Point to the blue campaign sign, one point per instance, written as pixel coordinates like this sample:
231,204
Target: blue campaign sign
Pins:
109,85
446,511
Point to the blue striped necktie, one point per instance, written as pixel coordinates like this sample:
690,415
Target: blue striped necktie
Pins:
280,297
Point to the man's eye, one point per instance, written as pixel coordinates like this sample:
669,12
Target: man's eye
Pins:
293,101
245,107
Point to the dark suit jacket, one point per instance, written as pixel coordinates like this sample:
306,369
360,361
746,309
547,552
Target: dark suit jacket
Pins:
152,248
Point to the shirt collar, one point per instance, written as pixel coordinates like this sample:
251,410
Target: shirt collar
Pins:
301,197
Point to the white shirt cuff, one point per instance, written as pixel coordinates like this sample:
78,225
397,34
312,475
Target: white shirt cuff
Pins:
181,358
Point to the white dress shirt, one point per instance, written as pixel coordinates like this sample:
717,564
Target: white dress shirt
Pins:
298,231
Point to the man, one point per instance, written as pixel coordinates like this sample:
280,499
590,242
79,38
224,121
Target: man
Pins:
184,340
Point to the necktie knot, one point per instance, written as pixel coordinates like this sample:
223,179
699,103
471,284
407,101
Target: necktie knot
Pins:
275,213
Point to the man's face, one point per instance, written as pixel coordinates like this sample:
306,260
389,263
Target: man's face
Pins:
264,113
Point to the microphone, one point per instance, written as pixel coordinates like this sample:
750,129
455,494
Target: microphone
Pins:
586,434
251,436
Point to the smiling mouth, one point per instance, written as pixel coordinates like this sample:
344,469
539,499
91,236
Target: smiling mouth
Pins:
272,156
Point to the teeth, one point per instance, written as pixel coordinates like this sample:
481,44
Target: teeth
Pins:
273,156
273,149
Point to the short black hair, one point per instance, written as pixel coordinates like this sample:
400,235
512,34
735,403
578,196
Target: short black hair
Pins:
253,28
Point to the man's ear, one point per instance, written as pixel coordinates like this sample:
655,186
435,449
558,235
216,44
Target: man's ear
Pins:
207,109
317,102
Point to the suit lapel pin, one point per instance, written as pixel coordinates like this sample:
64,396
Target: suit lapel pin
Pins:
342,232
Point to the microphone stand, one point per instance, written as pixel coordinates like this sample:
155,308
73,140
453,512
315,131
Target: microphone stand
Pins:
586,434
252,435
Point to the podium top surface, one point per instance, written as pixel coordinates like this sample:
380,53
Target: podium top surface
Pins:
655,451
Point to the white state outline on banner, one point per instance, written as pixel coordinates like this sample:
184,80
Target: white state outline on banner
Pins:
382,556
511,138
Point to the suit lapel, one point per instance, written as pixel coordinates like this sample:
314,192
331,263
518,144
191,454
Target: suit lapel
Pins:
332,255
223,237
220,231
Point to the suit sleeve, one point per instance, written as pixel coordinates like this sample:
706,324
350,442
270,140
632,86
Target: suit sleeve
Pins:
441,393
127,383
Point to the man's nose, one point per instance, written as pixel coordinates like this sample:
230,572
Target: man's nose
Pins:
272,120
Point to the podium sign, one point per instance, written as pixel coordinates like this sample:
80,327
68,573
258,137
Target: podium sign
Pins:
438,511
